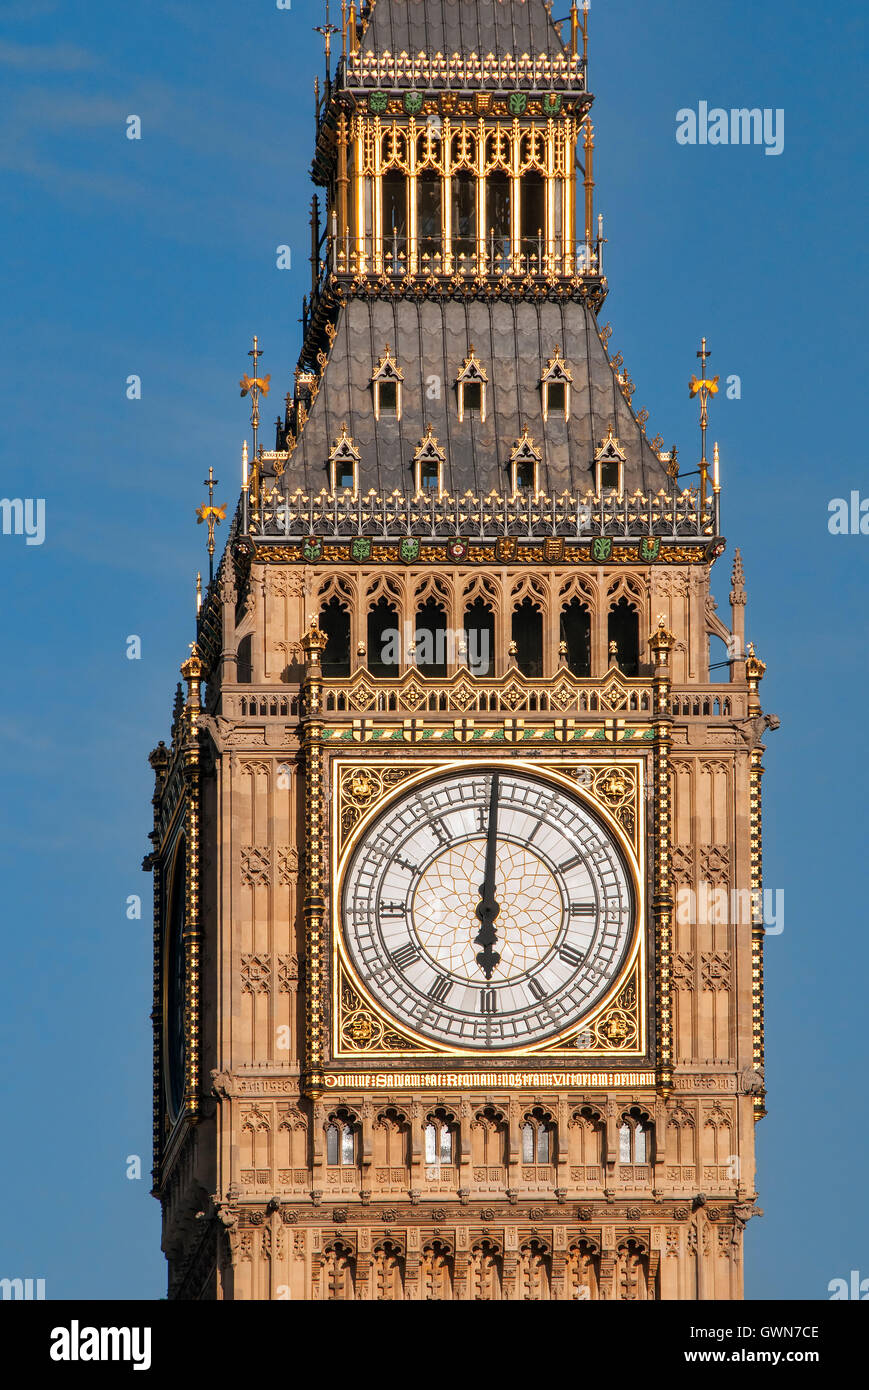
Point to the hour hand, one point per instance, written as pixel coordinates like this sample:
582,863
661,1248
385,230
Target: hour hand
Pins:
488,908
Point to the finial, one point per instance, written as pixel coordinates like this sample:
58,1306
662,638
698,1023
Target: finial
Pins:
704,388
193,670
198,592
716,461
212,515
662,641
754,673
255,386
327,30
314,641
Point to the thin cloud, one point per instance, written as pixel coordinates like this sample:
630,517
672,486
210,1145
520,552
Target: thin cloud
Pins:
57,57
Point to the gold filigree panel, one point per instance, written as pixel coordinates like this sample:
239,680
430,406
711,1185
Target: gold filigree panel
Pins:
364,1032
360,789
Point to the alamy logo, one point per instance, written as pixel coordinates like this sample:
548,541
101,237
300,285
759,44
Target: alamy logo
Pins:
738,126
22,1288
24,517
76,1343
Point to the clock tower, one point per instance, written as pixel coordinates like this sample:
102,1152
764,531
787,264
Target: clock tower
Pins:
458,928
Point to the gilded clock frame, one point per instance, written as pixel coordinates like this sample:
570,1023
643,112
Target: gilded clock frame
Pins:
624,1007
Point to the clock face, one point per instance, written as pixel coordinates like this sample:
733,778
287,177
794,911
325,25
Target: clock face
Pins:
488,909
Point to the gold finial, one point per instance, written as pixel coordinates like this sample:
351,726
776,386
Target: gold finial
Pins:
213,516
704,387
562,648
193,669
662,641
314,641
255,386
716,465
755,670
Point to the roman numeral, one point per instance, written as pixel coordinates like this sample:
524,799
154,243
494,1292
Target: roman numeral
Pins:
488,1001
582,909
536,988
438,829
393,909
440,989
570,863
570,955
405,864
405,955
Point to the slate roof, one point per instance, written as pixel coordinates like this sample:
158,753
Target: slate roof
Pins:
430,339
462,26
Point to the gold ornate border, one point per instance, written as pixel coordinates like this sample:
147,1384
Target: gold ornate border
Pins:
363,787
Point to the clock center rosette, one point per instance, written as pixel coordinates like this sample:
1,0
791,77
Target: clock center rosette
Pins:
446,899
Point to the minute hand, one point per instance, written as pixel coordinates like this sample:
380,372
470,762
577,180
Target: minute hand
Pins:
488,908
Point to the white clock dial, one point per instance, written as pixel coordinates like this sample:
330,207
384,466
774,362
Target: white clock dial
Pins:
561,909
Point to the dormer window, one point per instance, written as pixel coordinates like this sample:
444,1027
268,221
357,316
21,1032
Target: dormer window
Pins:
555,387
386,383
471,387
387,393
609,466
344,463
525,465
428,465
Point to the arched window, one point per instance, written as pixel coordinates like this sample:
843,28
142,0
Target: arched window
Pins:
610,474
244,661
485,1272
388,1272
436,1272
439,1140
533,1274
429,475
428,203
384,640
338,1270
334,621
587,1139
471,387
632,1271
533,201
394,223
480,638
634,1138
527,630
609,465
488,1133
623,629
576,637
537,1137
430,639
525,464
464,218
386,383
498,221
390,1138
582,1275
340,1144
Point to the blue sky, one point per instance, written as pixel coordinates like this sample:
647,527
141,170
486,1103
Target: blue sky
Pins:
157,258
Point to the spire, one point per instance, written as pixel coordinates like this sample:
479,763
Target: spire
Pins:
737,616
